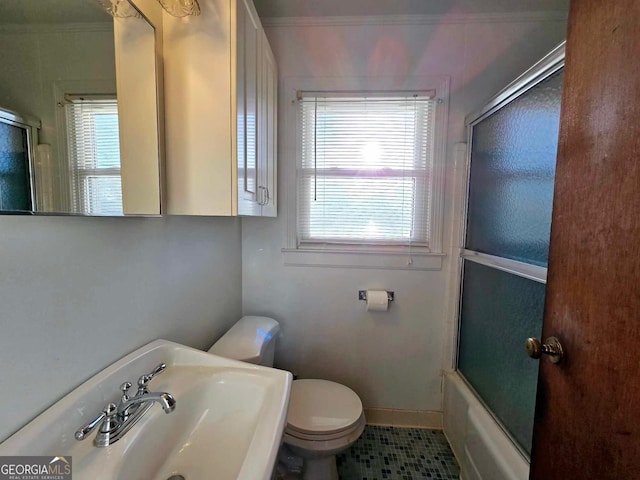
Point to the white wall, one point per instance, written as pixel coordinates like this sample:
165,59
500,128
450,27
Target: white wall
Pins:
79,293
391,360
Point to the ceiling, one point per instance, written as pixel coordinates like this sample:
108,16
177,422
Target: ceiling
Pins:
329,8
82,11
51,11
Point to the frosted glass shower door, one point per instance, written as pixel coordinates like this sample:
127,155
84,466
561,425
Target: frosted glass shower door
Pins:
513,162
513,155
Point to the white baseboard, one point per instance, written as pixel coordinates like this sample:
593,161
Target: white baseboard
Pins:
389,417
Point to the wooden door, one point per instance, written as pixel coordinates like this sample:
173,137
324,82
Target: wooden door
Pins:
588,411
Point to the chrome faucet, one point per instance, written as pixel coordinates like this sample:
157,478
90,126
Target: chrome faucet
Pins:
116,420
166,401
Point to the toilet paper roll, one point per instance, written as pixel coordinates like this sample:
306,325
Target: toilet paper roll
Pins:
377,301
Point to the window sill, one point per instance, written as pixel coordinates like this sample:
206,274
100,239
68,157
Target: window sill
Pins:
294,257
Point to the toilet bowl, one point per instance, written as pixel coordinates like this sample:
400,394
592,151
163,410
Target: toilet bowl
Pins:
324,418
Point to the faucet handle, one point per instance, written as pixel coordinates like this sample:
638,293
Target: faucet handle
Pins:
109,411
159,369
144,380
125,387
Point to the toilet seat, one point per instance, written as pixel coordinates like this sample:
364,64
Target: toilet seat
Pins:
328,437
320,410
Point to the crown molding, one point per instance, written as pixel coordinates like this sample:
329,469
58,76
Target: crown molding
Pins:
57,28
450,18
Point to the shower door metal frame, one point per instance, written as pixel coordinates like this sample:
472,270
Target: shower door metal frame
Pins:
539,72
31,127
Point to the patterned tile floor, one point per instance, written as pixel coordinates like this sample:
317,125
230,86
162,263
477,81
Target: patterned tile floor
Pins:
398,454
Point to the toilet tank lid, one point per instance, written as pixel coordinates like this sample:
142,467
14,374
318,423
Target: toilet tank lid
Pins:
247,339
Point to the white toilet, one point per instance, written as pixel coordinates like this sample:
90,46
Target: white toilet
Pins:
324,418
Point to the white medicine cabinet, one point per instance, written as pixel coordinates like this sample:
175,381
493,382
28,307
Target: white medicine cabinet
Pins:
221,113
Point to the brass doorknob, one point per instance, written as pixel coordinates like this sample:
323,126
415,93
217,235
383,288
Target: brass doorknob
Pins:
550,347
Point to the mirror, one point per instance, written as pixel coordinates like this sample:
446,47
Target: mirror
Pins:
79,108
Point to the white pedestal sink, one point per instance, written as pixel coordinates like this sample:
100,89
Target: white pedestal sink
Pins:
227,424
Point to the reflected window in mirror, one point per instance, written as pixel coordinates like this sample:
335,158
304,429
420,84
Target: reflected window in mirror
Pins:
94,154
76,47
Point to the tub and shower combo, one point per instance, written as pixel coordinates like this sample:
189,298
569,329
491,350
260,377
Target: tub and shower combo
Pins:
489,397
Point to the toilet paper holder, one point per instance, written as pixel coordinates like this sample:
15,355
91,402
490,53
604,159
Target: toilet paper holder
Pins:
362,295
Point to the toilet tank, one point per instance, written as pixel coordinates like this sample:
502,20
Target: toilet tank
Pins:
252,339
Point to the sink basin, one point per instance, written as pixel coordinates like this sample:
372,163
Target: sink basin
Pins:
227,423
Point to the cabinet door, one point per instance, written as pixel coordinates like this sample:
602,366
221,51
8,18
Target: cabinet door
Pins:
267,158
248,36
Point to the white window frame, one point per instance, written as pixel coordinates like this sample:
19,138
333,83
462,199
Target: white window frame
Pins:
60,88
79,188
365,255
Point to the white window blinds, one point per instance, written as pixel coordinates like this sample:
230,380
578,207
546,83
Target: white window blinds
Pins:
94,154
365,169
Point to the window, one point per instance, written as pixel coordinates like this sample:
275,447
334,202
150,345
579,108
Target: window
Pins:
363,162
94,154
365,167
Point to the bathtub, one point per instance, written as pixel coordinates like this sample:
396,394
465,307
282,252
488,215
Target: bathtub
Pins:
482,448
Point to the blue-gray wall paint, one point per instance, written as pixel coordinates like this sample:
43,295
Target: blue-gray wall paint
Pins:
78,293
